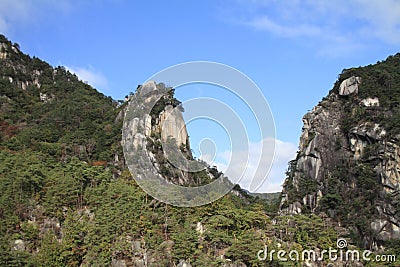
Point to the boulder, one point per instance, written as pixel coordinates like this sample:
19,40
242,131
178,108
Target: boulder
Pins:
148,88
370,102
349,86
18,245
183,263
173,125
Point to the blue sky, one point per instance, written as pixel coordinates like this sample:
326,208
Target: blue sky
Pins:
293,50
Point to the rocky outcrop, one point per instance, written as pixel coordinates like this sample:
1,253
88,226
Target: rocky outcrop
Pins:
347,157
149,89
18,245
30,77
317,153
3,51
385,229
184,264
172,125
45,97
363,135
168,123
157,131
349,86
370,102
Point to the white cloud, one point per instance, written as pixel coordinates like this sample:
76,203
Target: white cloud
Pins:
253,166
265,23
343,24
383,19
26,12
90,76
12,11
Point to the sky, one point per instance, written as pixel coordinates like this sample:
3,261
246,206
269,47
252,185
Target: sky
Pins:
292,50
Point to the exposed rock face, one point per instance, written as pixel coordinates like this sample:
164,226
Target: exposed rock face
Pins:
347,160
149,88
32,75
361,136
45,98
317,151
169,123
172,125
385,229
137,137
349,86
153,131
200,228
184,264
370,102
18,245
3,51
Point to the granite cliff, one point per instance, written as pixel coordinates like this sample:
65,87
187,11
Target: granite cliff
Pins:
348,163
157,130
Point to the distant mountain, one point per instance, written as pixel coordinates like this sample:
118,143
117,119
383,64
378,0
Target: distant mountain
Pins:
270,198
348,165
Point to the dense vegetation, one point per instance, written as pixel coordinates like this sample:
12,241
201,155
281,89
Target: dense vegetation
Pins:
74,213
67,200
382,81
73,119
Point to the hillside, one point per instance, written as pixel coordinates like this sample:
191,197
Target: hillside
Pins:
69,200
49,109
